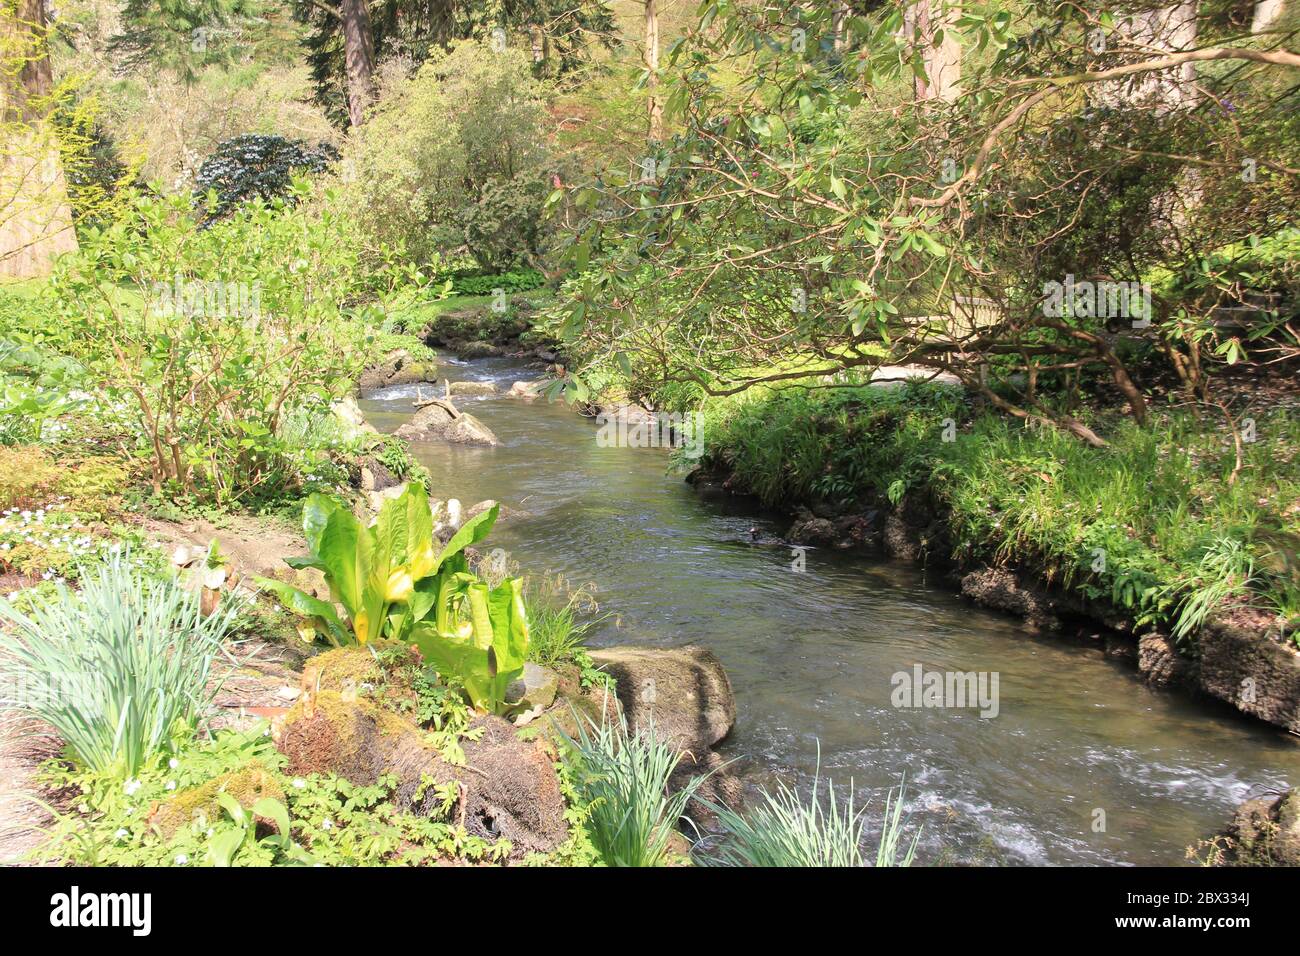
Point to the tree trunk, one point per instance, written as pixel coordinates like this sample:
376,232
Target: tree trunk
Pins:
943,60
538,44
359,56
654,107
35,215
1170,29
1266,14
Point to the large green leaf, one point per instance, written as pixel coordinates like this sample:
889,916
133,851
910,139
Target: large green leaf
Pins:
471,532
404,527
486,646
345,550
459,658
315,516
509,620
323,614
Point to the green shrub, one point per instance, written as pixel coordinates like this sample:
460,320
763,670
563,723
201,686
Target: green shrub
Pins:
118,669
255,166
456,159
477,282
198,344
394,580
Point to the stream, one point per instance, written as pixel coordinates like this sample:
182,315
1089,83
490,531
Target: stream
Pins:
811,656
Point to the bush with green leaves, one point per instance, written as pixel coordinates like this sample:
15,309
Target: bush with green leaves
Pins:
202,342
256,166
455,159
478,282
120,669
314,819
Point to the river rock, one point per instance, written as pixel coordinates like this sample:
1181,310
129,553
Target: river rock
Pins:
842,531
532,692
1003,590
1264,831
436,423
1244,661
901,540
473,350
349,413
525,390
473,389
683,691
511,792
808,529
397,368
1159,662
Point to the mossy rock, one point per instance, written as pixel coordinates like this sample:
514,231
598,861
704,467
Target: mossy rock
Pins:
507,788
247,785
1264,832
575,704
383,671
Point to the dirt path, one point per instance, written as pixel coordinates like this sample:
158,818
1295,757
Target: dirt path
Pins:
22,748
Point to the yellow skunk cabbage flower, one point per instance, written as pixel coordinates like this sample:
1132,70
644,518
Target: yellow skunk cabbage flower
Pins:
361,624
421,565
400,586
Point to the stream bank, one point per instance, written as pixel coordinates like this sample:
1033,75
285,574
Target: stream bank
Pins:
811,654
1241,659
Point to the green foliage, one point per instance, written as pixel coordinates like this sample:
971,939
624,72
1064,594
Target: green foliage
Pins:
784,829
255,166
199,343
118,669
1155,524
811,211
622,778
477,282
322,820
559,619
455,158
478,635
569,33
394,580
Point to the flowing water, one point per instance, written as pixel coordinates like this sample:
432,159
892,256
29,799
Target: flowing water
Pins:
811,656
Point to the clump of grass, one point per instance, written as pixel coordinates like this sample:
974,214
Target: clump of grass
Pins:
117,669
622,777
784,829
559,620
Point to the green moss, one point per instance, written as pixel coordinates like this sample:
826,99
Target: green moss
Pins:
247,785
383,671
